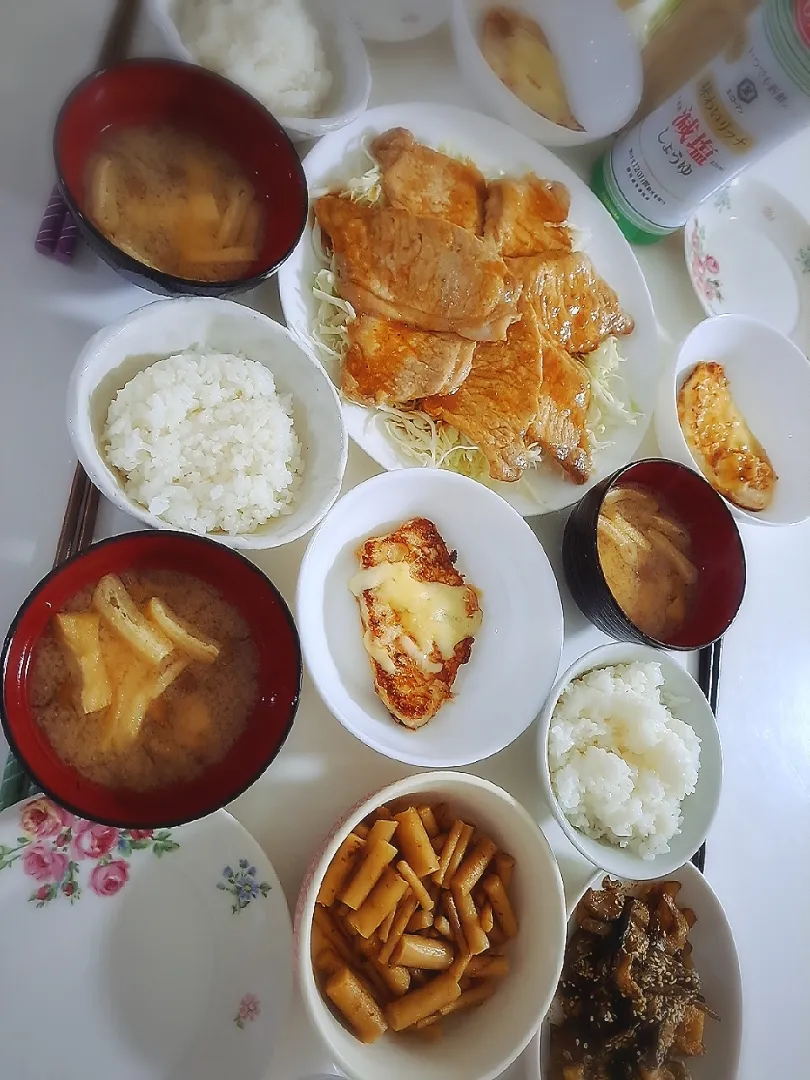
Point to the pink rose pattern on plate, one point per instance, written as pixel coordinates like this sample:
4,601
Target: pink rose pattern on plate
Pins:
704,267
249,1010
53,844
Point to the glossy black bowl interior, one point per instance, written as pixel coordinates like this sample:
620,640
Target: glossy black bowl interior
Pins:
717,552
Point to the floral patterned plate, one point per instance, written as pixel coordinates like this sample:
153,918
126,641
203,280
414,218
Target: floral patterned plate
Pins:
748,253
159,954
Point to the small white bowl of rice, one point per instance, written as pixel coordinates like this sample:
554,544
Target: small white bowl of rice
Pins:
630,760
304,60
205,416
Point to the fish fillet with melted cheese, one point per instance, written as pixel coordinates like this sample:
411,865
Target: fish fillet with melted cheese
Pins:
419,619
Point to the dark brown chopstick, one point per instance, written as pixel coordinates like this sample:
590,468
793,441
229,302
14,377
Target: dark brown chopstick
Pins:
75,535
709,682
70,523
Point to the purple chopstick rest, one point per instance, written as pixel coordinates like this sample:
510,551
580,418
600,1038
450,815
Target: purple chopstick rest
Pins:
52,222
66,243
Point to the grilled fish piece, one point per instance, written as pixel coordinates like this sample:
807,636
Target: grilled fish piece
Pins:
419,270
424,181
388,363
526,217
575,305
419,619
729,454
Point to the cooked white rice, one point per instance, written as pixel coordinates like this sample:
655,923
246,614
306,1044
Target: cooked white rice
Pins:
272,48
204,441
620,762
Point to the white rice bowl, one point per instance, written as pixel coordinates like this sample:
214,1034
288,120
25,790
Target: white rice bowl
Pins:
620,763
202,440
271,48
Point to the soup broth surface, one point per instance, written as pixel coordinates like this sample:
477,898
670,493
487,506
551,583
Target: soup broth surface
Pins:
191,726
644,553
176,202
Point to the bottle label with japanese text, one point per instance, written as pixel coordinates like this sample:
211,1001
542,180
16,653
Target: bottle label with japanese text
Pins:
747,100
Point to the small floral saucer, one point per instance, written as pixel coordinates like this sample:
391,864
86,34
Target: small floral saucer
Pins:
748,253
142,954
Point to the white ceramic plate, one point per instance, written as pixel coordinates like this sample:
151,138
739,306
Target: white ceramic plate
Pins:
134,954
748,253
516,652
496,149
716,962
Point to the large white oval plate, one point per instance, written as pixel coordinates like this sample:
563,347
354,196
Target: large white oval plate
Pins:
717,964
135,954
496,149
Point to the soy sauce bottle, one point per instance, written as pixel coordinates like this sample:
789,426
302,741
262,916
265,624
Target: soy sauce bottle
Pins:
748,99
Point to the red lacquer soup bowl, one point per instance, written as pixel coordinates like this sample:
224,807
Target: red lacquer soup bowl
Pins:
152,92
244,587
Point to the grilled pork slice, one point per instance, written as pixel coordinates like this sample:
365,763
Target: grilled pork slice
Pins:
560,427
575,305
389,363
419,619
526,217
727,451
423,181
499,400
418,270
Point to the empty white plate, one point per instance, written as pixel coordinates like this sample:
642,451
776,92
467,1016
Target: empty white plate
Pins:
160,954
516,651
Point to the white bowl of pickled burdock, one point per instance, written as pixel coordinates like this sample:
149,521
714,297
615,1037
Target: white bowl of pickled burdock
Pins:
430,932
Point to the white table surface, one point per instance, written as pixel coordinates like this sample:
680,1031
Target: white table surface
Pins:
758,852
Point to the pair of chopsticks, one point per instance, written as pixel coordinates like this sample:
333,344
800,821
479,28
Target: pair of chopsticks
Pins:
58,232
75,536
709,681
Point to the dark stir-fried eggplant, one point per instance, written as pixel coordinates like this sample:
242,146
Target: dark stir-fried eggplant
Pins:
630,998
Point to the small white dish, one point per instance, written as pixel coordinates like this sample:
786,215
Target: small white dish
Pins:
480,1045
118,352
769,378
396,20
346,58
598,57
162,953
500,691
496,149
698,809
716,962
748,253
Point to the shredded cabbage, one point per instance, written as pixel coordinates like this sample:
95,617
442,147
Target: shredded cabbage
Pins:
610,407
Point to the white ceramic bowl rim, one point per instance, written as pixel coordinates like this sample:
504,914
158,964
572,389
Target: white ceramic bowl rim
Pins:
776,409
343,42
311,390
717,962
698,809
434,785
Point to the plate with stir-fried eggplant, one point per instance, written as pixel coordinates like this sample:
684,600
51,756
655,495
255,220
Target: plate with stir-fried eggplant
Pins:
650,988
474,303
